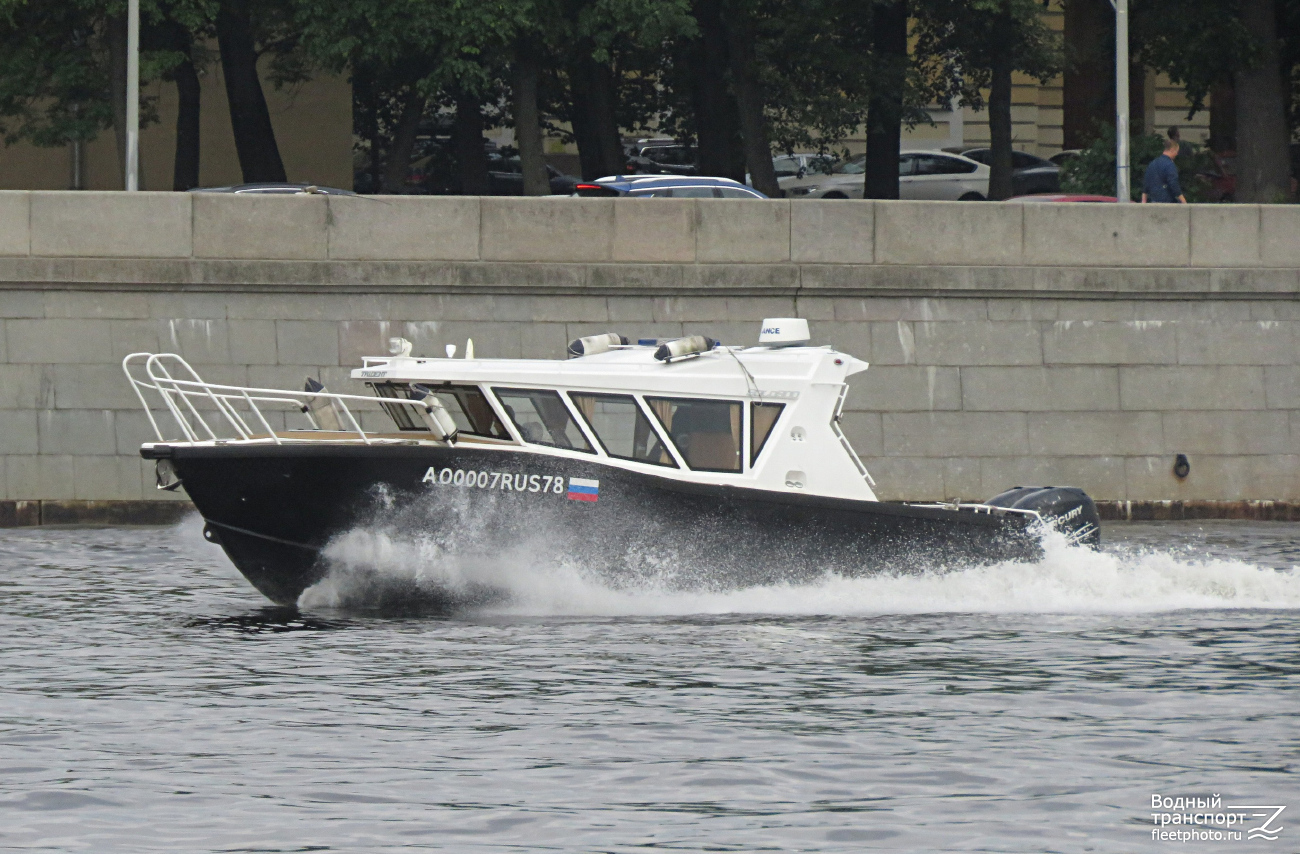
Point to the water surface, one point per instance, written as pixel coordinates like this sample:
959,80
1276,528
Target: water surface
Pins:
150,700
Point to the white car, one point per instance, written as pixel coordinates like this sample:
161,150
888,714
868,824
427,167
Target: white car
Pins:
933,175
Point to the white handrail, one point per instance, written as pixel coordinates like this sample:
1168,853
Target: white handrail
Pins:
177,396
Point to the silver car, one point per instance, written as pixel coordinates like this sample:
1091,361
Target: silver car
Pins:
929,175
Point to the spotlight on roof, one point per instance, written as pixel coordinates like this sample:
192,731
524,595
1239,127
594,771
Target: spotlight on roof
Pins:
593,344
399,347
691,345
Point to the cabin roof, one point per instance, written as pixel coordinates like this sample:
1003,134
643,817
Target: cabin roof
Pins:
634,368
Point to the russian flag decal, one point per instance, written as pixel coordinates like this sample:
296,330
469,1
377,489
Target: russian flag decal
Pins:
581,489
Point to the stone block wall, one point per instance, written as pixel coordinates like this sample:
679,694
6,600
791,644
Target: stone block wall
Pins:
1008,343
959,402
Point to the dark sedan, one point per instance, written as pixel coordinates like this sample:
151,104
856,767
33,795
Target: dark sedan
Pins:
276,189
1029,174
665,160
506,178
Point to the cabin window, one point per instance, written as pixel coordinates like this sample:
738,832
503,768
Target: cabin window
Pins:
622,428
542,418
706,432
762,418
403,416
466,404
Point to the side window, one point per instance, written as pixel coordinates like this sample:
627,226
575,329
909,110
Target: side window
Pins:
692,192
906,165
820,166
403,416
706,432
933,164
1024,160
622,428
542,418
762,418
466,404
736,193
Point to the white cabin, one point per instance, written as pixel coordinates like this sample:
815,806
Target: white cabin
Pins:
763,417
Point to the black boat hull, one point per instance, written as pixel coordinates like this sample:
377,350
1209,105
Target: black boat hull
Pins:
276,508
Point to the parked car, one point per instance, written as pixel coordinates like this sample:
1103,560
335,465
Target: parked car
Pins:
801,165
1221,178
921,175
276,189
506,177
1061,197
633,147
1029,174
667,186
664,160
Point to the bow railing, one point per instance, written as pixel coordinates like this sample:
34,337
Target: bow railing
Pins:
201,411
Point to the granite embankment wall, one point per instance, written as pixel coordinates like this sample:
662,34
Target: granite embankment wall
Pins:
1009,343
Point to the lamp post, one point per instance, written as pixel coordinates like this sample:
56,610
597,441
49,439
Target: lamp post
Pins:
1123,192
133,95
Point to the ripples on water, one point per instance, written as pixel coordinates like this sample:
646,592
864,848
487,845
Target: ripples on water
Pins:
151,701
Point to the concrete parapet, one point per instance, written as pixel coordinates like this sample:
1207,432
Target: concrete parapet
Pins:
963,233
272,227
1225,236
741,231
1279,235
832,231
662,231
1098,235
15,222
547,228
403,228
110,225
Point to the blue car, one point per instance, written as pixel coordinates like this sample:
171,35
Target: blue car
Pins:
667,186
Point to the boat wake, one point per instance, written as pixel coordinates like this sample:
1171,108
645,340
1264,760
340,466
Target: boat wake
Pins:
379,571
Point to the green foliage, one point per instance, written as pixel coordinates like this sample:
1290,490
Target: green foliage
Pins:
53,77
958,42
1093,171
55,68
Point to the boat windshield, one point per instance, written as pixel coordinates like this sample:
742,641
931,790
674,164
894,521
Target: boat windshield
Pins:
706,432
542,418
466,404
622,428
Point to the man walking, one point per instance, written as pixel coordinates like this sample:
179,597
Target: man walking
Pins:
1160,183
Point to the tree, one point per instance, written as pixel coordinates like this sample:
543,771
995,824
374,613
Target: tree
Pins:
886,111
405,55
978,45
246,31
607,51
63,72
1207,43
54,72
1263,159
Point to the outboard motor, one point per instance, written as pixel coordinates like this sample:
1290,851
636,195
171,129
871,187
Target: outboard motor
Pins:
1067,508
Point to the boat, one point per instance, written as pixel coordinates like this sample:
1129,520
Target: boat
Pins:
716,465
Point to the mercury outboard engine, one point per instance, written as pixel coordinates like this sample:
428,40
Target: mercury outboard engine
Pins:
1068,508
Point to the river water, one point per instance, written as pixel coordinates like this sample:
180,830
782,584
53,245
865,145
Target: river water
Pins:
150,700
